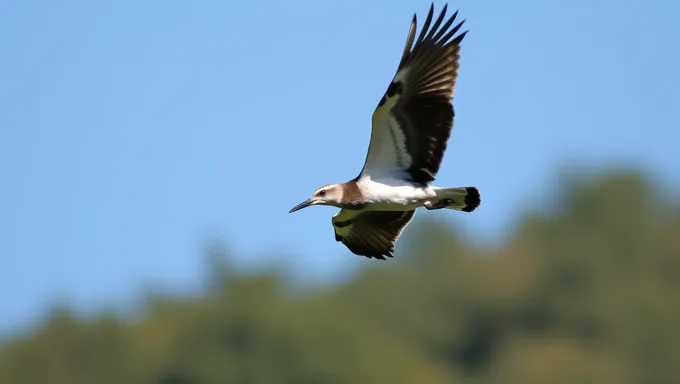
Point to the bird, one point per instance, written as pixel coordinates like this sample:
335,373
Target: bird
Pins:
411,126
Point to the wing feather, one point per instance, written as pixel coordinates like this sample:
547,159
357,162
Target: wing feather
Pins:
412,122
371,233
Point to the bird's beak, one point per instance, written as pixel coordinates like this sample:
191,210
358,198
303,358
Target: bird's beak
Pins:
304,204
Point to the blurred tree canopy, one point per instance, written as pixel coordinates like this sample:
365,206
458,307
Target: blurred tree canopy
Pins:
587,294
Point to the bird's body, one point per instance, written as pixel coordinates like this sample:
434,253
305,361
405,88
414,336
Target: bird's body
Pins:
393,194
411,127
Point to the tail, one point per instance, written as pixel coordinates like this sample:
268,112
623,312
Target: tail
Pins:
464,199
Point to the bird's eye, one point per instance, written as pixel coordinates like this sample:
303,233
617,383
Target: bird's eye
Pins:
322,193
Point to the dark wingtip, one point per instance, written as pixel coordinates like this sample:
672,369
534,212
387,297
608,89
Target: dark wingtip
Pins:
472,199
375,255
460,37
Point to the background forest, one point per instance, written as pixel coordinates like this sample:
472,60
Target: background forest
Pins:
588,293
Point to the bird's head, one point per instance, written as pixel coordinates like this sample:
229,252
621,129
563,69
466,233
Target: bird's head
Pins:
330,194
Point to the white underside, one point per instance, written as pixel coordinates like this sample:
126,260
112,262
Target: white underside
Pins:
394,194
386,194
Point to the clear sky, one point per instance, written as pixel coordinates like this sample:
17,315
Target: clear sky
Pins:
133,131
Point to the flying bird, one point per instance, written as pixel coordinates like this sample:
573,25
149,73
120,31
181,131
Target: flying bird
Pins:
410,129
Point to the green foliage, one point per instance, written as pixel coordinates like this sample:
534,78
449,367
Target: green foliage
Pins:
590,294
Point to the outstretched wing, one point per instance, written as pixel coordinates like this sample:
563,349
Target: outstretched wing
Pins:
413,121
370,233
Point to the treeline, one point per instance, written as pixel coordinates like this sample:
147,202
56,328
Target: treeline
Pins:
587,294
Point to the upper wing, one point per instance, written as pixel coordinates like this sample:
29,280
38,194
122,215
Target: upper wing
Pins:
370,233
413,121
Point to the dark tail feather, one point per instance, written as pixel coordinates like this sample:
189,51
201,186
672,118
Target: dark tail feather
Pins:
465,199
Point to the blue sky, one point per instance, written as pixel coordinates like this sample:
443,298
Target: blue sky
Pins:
134,131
